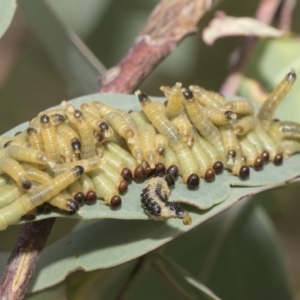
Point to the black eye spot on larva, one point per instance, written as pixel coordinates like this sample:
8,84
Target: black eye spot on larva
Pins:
17,133
26,184
258,163
278,159
76,145
161,150
127,175
123,186
59,117
244,159
31,130
115,202
228,113
276,120
79,170
44,119
266,156
160,169
193,182
99,137
103,126
90,197
80,198
73,205
77,114
142,97
210,175
148,171
187,94
218,167
7,144
231,153
244,172
173,171
139,174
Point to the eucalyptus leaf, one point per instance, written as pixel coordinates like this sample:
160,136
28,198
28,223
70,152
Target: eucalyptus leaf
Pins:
7,11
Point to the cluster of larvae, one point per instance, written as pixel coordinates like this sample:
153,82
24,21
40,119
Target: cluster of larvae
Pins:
70,157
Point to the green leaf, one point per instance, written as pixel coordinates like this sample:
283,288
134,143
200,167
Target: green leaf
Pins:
72,58
7,11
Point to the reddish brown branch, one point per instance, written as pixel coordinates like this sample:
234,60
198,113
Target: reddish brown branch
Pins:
23,259
168,24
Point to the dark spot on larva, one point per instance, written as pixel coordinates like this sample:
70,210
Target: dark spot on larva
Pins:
126,175
123,186
291,76
170,180
258,163
31,130
73,205
90,197
231,153
210,175
29,216
244,159
7,144
130,111
76,145
278,159
160,169
276,120
148,171
173,171
45,209
228,114
80,198
99,137
115,201
17,133
142,97
218,167
103,126
266,156
59,117
161,150
193,182
79,170
26,184
244,172
187,94
139,173
44,119
77,114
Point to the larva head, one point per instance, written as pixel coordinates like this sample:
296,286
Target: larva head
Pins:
31,131
187,94
266,156
193,181
90,197
126,174
218,167
169,180
7,144
244,172
78,114
291,76
139,173
78,170
115,202
231,153
26,184
173,171
210,175
143,98
73,205
58,118
103,126
80,198
278,159
160,169
180,212
148,171
44,119
76,145
258,163
123,186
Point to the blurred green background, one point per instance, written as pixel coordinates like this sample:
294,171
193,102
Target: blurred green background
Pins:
30,81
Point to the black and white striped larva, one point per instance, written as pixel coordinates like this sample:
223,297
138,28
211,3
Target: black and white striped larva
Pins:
106,189
174,103
85,131
268,108
12,213
15,171
155,202
25,154
49,138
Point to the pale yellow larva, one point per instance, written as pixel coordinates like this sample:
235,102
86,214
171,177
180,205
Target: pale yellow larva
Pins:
9,193
244,125
35,139
217,116
70,136
184,126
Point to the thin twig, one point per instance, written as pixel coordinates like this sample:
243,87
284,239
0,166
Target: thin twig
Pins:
285,15
23,259
169,23
265,13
